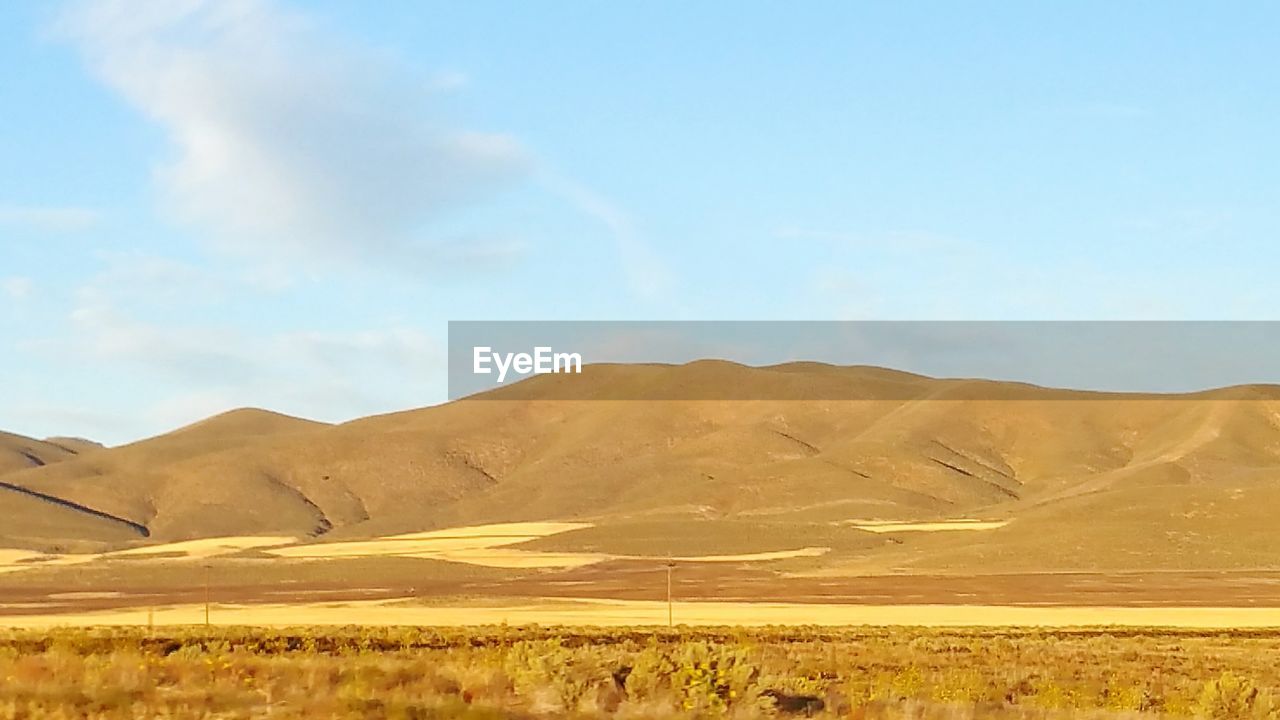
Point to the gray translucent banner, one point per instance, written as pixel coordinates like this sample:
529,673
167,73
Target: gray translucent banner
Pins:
704,360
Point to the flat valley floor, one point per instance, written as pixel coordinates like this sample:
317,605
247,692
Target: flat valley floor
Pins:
426,592
514,573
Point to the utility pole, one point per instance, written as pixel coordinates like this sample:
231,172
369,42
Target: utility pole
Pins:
206,595
670,610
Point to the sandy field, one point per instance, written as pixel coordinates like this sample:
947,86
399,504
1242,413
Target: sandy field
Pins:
486,545
897,526
630,612
476,576
474,545
477,545
12,560
482,545
205,548
18,560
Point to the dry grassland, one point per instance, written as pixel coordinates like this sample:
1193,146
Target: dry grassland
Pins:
500,672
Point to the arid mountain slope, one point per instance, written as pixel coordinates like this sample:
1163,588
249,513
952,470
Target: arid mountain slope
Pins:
1088,480
124,485
19,453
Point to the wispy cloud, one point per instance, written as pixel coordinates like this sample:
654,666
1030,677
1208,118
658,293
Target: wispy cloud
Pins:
49,219
319,373
16,288
150,280
43,420
289,144
645,271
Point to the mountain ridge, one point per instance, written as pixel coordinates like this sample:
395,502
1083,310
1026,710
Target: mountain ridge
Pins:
916,448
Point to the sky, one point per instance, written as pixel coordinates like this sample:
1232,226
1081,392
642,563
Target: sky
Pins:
208,204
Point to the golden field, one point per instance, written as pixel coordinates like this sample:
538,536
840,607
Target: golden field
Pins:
467,612
502,672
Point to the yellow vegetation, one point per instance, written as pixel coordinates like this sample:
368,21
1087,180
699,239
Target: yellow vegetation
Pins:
500,672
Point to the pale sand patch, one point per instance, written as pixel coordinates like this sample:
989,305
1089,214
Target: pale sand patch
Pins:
620,612
486,545
516,529
28,561
756,557
395,547
434,544
15,560
8,557
86,596
19,560
889,526
512,558
205,547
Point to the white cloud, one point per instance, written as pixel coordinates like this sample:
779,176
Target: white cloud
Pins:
645,271
185,354
289,144
149,280
17,288
211,355
324,374
48,219
33,418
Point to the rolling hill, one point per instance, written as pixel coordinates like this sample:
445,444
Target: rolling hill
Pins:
19,453
128,485
1086,480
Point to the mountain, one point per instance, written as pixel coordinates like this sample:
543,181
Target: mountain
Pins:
1087,480
116,491
47,521
19,453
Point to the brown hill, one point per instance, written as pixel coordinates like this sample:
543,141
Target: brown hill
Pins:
39,523
1088,480
19,453
124,486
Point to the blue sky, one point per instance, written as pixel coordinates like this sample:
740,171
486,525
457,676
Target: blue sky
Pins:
208,204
